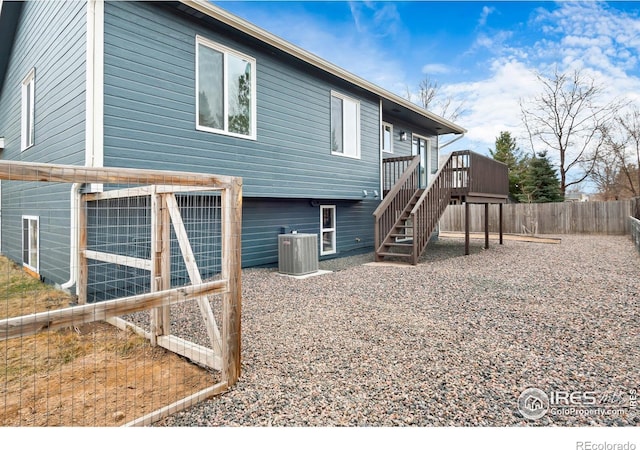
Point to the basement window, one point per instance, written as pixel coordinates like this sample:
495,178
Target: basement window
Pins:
31,243
327,229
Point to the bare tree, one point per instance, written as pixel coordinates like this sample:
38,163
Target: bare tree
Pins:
567,119
429,97
605,172
427,92
615,171
630,153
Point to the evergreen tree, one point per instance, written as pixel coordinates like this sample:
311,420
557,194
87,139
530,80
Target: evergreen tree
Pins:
540,183
507,151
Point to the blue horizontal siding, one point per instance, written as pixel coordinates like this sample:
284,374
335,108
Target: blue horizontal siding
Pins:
150,112
403,148
50,37
264,219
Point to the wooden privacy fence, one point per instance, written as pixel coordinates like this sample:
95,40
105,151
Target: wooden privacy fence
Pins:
153,250
548,218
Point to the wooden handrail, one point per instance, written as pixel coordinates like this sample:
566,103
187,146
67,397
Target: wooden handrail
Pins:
396,187
438,174
429,207
399,158
396,200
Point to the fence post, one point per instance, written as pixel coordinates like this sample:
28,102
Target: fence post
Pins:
83,268
231,270
500,221
466,227
486,226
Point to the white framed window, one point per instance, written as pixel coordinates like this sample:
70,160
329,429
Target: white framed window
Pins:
387,137
31,242
345,126
225,90
27,129
327,229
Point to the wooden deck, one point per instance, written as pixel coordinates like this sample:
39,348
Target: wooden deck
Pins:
409,214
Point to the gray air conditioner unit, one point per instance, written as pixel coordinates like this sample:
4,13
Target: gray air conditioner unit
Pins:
297,254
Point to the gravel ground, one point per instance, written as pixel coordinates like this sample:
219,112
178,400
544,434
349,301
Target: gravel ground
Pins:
450,342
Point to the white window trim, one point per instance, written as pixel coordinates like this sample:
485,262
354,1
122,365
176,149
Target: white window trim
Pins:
332,229
225,52
27,136
390,125
357,102
24,263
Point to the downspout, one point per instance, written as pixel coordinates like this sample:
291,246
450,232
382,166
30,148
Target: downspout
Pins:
451,141
73,239
94,73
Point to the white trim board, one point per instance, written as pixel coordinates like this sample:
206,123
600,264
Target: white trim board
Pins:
94,139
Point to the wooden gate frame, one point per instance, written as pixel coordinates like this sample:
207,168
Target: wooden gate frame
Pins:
226,345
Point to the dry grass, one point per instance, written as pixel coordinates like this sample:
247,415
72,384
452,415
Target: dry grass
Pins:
95,375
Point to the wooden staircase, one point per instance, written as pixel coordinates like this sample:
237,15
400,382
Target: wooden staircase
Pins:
395,244
408,215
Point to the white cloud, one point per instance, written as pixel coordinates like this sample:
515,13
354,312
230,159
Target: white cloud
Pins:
436,69
592,32
491,105
375,19
486,10
601,41
357,49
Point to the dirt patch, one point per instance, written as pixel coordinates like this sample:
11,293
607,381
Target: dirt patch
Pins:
94,375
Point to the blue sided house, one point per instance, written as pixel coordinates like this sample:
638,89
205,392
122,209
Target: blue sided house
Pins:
187,86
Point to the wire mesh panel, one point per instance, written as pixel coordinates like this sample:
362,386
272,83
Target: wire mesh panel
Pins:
120,306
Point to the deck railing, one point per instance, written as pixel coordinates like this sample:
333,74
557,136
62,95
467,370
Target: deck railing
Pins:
397,199
474,173
392,170
465,174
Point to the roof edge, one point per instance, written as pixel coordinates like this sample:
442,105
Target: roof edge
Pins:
252,30
9,18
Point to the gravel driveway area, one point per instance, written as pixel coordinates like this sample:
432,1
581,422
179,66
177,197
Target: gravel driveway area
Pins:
453,341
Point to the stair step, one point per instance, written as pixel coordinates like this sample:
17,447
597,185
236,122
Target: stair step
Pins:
401,255
398,244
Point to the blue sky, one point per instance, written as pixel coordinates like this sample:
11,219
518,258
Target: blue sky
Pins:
482,54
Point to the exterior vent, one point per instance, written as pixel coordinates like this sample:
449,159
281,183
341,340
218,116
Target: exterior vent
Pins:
297,254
